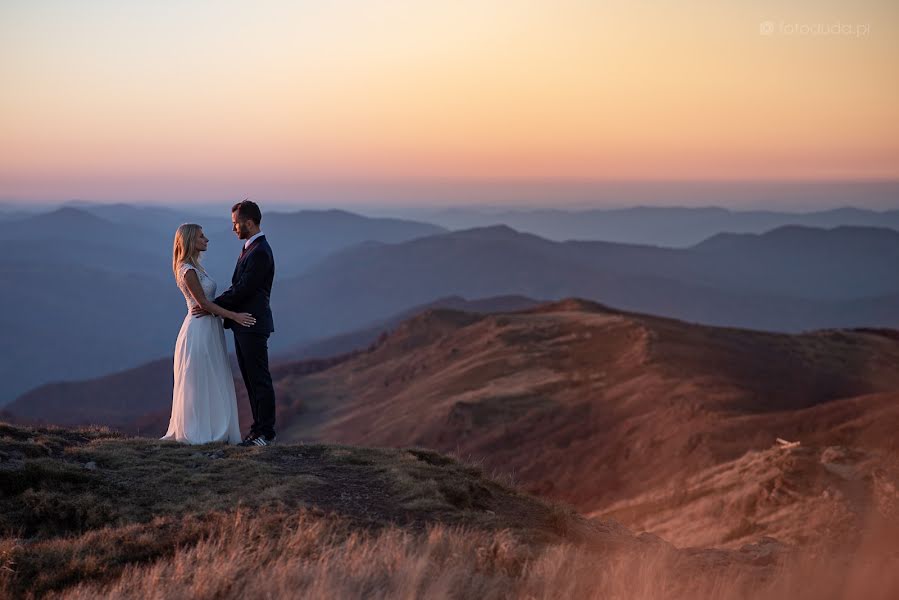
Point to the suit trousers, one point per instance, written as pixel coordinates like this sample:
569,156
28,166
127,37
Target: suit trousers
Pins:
252,358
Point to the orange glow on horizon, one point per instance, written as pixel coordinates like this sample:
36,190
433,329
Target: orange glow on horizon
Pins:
134,101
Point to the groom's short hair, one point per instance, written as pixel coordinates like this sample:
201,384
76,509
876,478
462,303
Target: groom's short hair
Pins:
247,209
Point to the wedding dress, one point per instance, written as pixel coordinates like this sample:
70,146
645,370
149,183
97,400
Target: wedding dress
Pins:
204,403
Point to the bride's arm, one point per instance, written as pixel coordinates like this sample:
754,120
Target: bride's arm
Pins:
196,290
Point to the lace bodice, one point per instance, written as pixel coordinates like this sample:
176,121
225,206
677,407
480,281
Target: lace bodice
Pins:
206,282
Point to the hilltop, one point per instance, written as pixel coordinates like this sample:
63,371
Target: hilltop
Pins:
89,513
91,508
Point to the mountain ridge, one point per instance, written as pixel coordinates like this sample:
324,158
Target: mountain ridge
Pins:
521,390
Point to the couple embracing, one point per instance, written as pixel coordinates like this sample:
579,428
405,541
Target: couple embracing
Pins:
204,403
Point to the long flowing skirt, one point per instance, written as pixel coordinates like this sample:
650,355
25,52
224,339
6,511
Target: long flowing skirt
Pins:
204,403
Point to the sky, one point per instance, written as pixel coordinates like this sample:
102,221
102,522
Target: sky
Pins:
379,101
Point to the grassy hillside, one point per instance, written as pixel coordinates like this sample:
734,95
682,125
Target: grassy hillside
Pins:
88,513
84,506
596,407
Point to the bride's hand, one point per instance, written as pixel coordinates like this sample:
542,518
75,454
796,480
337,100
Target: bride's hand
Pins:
245,319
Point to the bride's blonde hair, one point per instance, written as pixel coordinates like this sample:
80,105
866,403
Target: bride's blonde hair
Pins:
184,249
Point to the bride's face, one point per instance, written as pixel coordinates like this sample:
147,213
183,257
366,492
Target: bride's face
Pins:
202,242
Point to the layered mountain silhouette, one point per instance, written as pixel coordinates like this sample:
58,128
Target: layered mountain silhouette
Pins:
663,226
303,236
825,278
88,289
91,290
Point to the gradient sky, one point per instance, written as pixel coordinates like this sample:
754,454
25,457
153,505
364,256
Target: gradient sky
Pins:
190,100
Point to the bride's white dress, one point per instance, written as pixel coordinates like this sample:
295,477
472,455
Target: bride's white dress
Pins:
204,404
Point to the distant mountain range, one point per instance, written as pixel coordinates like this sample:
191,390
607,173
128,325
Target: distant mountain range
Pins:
791,279
301,238
90,290
85,294
660,226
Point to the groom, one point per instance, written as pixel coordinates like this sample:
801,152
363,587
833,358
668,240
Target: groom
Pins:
251,287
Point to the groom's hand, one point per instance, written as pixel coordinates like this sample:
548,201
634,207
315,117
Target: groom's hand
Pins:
198,311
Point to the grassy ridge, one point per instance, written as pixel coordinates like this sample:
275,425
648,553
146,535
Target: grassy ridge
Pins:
90,513
84,504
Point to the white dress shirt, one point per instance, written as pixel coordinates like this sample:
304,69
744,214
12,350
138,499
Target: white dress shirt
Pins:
247,243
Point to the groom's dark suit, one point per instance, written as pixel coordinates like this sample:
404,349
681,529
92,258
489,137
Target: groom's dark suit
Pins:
251,288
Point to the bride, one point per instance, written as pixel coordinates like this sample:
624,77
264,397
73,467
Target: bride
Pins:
204,404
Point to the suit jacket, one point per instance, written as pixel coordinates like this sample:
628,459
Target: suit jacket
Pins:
251,288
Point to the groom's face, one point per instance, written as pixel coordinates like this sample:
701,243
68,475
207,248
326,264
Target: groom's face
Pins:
241,228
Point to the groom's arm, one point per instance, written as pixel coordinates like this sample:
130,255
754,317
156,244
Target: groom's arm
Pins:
251,279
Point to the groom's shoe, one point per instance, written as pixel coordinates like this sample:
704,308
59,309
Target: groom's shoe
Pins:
248,441
259,440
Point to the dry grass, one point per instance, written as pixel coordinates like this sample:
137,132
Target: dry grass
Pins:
57,481
86,514
314,556
82,505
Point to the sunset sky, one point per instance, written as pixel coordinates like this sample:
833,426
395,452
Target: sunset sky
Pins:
190,100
